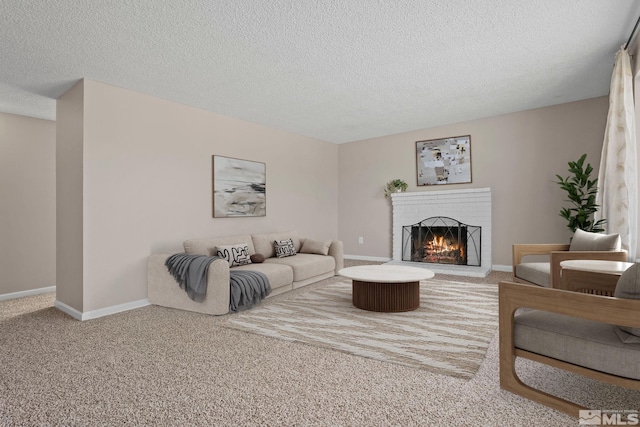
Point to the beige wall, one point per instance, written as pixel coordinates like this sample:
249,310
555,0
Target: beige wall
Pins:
27,204
134,178
147,185
516,155
69,207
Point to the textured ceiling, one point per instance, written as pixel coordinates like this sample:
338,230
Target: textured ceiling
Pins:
337,70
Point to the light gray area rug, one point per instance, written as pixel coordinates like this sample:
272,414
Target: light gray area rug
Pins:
449,333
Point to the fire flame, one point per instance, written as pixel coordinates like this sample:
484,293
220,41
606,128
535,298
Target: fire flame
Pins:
441,246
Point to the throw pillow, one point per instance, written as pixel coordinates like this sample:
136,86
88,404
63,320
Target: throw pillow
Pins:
315,247
626,337
234,254
628,286
257,258
587,241
284,248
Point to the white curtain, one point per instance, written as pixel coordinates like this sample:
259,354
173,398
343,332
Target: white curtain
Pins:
617,178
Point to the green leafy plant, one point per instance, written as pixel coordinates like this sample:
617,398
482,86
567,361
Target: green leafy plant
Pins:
581,191
395,186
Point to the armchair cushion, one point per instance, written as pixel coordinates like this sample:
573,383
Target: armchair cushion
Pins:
535,272
582,342
628,286
587,241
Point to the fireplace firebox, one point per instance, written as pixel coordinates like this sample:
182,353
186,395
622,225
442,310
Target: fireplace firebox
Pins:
442,240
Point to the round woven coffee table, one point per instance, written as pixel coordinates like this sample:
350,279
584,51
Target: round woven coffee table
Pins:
386,288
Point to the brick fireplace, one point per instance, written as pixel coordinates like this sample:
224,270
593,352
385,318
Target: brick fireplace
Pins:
469,206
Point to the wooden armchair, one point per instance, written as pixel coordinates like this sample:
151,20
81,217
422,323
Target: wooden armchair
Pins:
556,253
530,335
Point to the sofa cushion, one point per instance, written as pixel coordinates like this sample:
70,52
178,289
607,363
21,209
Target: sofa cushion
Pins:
581,342
305,266
587,241
310,246
208,246
234,254
278,275
263,243
628,286
535,272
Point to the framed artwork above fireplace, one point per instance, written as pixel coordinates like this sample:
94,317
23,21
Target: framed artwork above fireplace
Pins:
444,161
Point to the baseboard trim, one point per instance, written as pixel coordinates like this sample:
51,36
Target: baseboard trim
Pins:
101,312
495,267
366,258
68,309
29,293
505,268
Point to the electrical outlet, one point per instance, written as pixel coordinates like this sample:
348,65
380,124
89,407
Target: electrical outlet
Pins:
361,240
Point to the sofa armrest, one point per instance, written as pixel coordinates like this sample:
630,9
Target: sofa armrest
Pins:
163,289
336,250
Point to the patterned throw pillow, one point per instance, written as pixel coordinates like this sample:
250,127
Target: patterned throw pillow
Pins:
284,248
234,254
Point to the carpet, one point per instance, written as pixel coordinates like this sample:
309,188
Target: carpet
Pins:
449,334
157,366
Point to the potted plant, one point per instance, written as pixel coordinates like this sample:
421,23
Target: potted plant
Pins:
581,191
395,186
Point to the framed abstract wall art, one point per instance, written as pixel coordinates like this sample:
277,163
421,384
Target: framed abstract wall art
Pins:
239,188
444,161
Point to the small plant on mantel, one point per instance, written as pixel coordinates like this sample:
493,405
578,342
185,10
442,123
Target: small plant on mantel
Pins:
395,186
582,194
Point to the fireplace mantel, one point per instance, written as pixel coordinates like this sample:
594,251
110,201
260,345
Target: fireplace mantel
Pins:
471,206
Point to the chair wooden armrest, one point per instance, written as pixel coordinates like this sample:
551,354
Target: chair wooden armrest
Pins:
558,256
522,250
598,308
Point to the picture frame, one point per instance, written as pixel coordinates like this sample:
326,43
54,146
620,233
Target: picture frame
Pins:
444,161
239,187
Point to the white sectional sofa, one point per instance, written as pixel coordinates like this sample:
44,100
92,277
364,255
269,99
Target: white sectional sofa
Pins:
284,274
